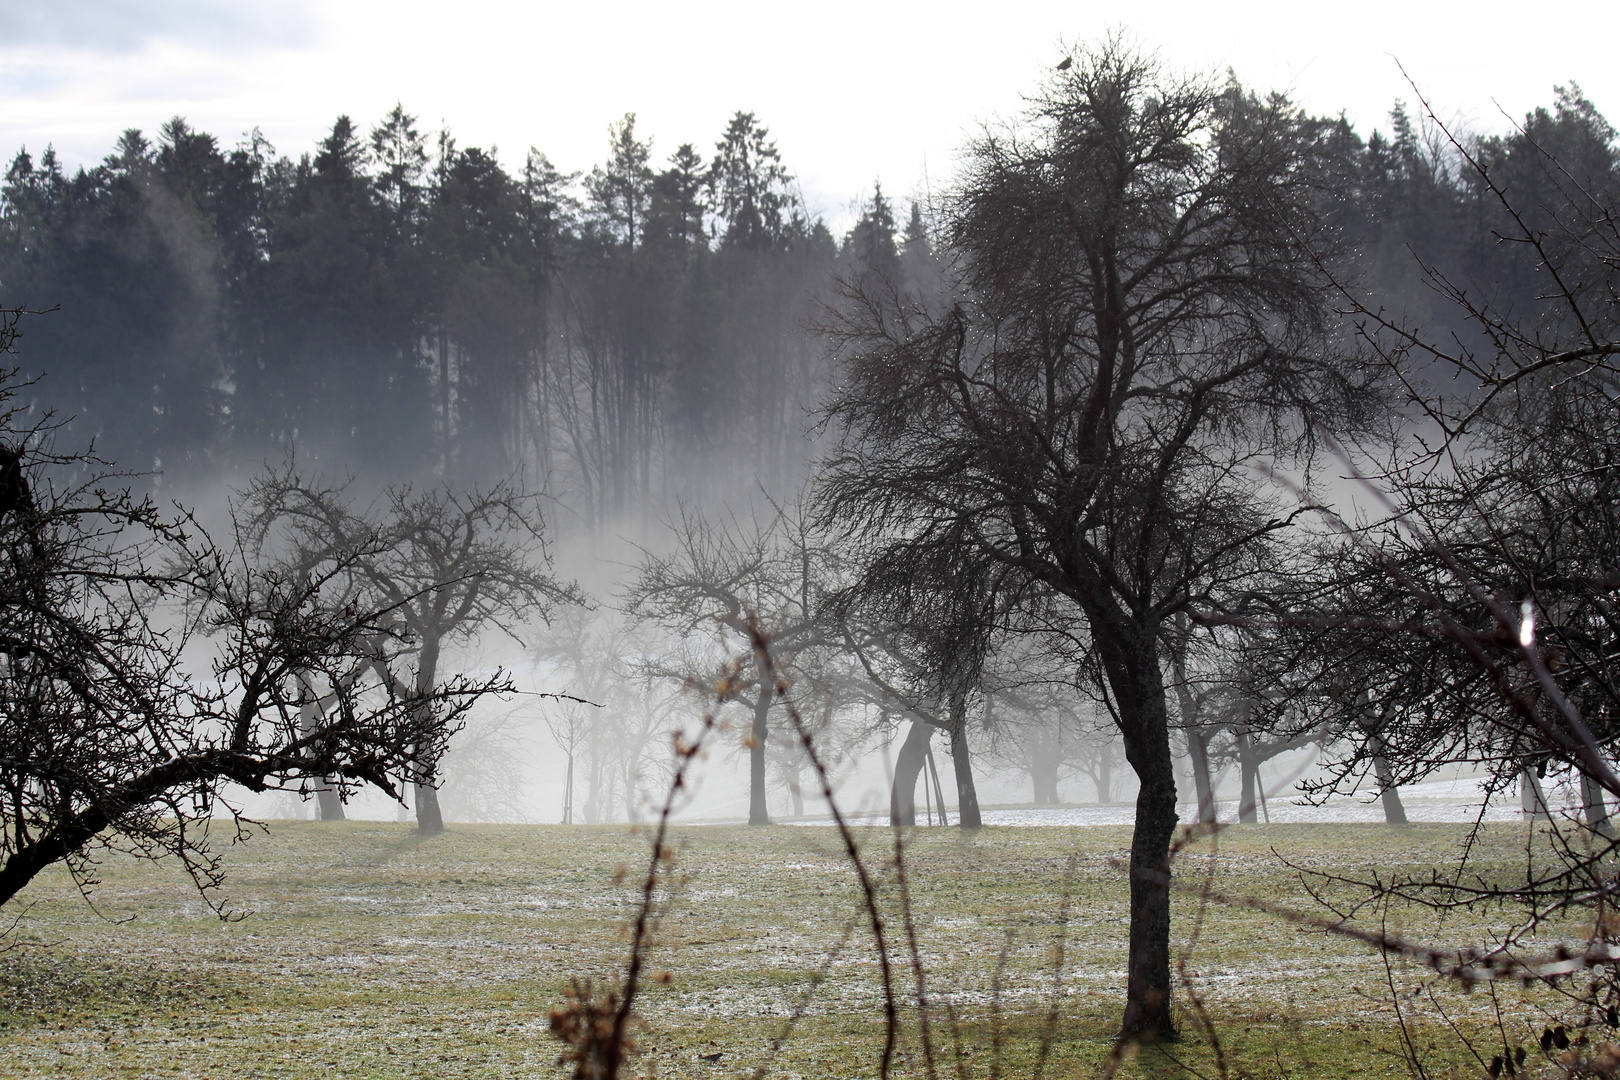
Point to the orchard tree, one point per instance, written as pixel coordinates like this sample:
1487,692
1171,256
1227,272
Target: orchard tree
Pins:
1510,499
1135,323
446,563
1476,620
922,622
728,575
107,740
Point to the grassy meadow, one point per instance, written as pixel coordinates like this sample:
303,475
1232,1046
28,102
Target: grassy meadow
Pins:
366,951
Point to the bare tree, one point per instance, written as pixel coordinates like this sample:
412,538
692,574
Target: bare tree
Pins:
619,713
728,574
483,774
1135,322
570,728
1482,601
448,563
107,740
922,625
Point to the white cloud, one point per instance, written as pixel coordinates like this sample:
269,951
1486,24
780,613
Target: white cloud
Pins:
125,26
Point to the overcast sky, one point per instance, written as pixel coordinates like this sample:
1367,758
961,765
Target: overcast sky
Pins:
852,89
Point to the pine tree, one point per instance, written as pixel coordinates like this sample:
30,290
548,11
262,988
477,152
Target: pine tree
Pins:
870,246
751,186
621,189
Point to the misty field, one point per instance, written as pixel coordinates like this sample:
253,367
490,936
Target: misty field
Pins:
367,951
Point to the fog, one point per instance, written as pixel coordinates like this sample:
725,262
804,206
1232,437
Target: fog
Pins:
641,333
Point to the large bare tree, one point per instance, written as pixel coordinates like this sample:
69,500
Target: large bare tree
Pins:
1134,325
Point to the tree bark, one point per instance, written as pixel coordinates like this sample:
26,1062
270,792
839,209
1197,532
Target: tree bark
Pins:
72,833
1147,748
908,765
967,796
328,804
1248,767
429,818
1394,810
1198,755
327,801
1532,800
758,812
1597,810
430,821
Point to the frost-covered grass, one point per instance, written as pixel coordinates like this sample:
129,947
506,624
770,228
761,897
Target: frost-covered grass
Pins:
366,951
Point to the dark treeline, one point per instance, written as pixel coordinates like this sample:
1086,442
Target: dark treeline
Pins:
398,305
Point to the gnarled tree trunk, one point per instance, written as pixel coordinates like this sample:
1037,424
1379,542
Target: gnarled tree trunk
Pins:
967,796
1144,722
908,765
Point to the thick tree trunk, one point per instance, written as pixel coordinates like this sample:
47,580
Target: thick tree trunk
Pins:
1105,777
1532,800
1249,768
1043,772
1198,756
1145,724
328,804
1597,810
1131,661
328,801
758,812
908,765
967,796
429,819
1394,810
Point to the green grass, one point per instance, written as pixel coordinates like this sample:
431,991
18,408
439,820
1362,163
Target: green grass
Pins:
366,951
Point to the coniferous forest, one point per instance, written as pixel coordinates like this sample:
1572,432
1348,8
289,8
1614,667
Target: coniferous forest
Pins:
402,305
392,303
